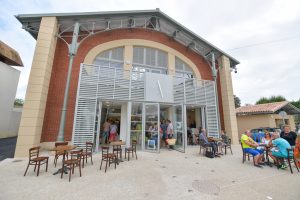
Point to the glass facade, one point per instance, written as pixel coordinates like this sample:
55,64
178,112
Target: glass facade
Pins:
112,58
182,69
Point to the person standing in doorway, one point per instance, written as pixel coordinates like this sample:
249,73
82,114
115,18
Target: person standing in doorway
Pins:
113,131
170,129
164,128
105,135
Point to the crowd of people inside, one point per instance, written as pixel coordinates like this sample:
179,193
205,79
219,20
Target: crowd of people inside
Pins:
110,131
277,143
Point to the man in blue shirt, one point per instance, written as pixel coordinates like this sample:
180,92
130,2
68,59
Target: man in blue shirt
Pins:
280,151
204,139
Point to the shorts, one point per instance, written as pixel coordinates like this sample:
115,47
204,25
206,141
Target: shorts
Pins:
278,154
253,152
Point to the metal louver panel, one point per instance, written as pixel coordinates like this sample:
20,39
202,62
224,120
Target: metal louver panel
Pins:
85,111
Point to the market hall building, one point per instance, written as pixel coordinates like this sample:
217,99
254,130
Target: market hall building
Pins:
136,68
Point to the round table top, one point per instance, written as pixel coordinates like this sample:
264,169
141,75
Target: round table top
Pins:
64,148
117,143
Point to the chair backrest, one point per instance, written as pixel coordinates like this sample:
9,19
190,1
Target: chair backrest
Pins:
60,144
229,141
290,152
76,154
34,152
105,150
242,147
89,147
201,142
133,144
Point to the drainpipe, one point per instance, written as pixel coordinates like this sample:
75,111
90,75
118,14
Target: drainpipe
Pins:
72,52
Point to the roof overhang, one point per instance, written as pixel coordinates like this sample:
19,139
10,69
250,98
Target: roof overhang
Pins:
105,21
9,56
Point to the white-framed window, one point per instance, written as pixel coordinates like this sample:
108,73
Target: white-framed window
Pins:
111,58
182,69
147,59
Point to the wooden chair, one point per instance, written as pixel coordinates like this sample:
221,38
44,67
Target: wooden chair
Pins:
36,160
59,153
117,149
131,149
247,154
291,159
204,146
74,161
227,146
87,153
108,157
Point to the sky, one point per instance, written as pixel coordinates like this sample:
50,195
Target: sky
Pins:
263,35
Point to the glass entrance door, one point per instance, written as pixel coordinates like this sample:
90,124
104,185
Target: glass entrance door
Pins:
179,128
151,127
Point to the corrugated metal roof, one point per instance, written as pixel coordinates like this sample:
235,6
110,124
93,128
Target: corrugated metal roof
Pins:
88,16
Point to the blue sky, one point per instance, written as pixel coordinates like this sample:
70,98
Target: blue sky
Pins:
271,67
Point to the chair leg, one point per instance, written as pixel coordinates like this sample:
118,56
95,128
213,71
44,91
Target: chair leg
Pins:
225,150
47,164
107,160
296,164
26,169
83,162
62,171
289,161
70,172
92,159
116,161
35,166
135,154
231,150
125,153
80,169
38,172
101,164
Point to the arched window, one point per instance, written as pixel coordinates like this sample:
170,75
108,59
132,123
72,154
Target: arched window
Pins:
111,58
147,59
182,69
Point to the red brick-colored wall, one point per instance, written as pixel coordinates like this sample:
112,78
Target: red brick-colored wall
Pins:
59,74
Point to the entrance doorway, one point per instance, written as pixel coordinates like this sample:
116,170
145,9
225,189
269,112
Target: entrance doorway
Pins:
194,123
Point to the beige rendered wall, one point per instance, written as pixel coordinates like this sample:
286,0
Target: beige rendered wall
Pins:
248,122
36,96
230,121
291,119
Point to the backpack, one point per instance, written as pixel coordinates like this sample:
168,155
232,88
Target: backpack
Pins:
209,154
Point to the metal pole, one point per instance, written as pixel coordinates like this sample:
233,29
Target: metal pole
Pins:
214,74
72,52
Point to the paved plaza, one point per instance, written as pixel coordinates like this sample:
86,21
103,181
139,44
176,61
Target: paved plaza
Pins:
168,175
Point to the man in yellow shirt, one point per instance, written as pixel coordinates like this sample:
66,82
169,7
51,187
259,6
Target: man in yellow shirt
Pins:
250,147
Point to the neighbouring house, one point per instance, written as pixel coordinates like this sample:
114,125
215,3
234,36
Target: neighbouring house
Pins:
265,115
9,78
136,68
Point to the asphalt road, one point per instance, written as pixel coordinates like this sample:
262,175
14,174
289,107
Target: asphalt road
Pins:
7,147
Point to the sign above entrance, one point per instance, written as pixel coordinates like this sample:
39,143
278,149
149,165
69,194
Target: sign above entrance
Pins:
158,88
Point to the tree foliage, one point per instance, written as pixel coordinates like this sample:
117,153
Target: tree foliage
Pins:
237,101
19,102
271,99
296,103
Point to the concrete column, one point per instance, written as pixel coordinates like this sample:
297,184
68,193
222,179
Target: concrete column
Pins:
230,121
171,64
37,90
123,128
198,117
128,57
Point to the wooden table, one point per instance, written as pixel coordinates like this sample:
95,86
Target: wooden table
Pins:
118,144
64,148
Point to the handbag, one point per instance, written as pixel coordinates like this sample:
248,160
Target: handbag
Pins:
171,141
209,154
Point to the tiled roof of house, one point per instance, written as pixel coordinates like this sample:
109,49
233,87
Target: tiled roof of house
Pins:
268,108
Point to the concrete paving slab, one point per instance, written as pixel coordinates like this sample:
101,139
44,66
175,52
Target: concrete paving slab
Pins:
168,175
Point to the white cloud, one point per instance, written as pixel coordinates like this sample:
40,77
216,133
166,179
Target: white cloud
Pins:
264,70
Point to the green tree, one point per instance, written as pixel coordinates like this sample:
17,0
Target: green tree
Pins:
237,101
19,102
296,103
271,99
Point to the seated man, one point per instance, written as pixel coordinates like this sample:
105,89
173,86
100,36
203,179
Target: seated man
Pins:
250,146
280,151
203,137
